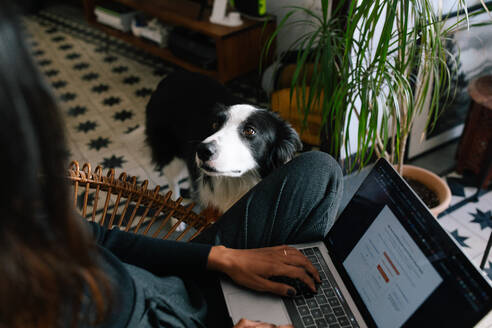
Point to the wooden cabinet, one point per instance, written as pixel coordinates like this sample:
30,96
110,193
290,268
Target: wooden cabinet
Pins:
238,49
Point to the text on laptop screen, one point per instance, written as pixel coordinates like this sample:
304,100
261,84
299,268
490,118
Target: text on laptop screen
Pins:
401,267
390,272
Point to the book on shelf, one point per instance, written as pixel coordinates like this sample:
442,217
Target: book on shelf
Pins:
150,28
115,15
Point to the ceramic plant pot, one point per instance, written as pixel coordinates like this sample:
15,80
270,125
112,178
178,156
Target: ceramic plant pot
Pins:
433,182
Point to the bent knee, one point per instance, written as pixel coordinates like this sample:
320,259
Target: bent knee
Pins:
319,162
315,167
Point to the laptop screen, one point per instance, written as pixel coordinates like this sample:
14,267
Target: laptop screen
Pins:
398,263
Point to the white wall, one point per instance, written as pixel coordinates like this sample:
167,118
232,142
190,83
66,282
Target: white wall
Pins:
450,6
280,8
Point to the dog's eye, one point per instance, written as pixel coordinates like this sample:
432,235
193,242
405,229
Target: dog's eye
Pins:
215,125
249,131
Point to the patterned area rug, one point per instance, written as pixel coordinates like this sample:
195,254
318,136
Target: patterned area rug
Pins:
103,86
469,221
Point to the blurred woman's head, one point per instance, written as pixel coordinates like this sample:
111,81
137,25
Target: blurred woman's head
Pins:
44,252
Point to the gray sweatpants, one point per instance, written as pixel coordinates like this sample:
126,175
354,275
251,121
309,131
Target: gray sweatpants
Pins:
296,203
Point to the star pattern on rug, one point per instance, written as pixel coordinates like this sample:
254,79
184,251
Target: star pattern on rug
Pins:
138,180
86,126
457,188
111,101
38,53
459,239
68,96
482,218
90,76
77,110
58,39
72,56
52,30
59,84
65,47
123,115
131,80
90,199
99,143
100,88
110,59
130,129
143,92
81,66
113,162
120,69
51,72
45,62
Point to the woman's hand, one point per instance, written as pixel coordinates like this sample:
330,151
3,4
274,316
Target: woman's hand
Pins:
252,268
244,323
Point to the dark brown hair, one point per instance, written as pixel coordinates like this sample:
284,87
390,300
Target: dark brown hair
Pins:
46,267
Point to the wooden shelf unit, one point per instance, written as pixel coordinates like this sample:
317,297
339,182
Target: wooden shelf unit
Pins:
238,49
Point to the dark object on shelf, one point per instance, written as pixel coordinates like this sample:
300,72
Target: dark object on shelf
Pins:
193,47
115,7
253,8
475,147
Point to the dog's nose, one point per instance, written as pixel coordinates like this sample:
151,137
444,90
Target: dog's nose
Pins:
207,151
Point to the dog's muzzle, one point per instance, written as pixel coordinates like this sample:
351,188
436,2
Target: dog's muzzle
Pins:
207,151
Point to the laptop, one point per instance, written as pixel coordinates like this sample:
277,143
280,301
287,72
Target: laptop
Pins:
386,262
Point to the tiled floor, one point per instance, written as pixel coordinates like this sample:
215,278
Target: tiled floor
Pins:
470,224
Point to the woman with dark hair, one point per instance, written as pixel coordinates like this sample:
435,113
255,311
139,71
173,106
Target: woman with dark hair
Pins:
58,271
45,256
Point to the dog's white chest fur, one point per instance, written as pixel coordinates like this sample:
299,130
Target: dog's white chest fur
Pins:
222,192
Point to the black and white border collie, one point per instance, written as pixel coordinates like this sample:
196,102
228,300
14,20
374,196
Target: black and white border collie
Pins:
194,124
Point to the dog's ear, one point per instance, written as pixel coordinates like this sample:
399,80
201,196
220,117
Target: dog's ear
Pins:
286,146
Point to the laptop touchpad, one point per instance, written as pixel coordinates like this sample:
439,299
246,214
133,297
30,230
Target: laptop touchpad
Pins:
255,306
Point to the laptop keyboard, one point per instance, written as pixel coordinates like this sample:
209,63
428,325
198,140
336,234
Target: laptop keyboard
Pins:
327,308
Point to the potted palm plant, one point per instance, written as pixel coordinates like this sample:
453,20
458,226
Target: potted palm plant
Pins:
379,63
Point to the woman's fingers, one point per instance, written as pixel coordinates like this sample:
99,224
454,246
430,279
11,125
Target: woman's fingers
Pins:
284,289
293,256
276,287
252,268
245,323
299,273
293,265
